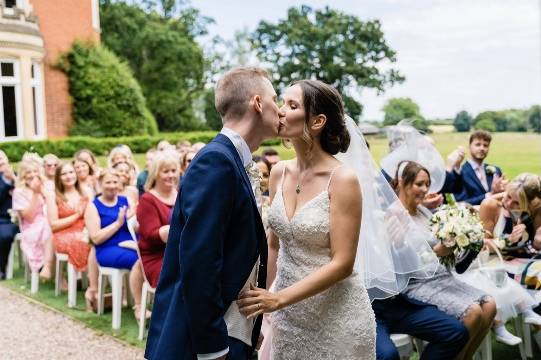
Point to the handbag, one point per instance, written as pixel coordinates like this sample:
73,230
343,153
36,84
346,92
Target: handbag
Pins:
495,273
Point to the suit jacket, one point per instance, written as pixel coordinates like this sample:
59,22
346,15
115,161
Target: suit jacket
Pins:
473,191
215,238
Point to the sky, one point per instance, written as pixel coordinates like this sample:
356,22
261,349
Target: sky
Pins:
472,55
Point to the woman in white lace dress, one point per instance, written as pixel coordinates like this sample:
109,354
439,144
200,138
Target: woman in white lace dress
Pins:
320,307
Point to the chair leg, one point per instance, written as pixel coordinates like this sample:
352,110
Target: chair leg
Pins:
57,276
117,299
101,293
143,310
518,331
527,338
72,286
486,347
34,282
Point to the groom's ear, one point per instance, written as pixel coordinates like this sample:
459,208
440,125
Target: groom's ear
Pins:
257,104
318,122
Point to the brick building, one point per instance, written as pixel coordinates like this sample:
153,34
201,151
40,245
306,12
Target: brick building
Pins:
34,98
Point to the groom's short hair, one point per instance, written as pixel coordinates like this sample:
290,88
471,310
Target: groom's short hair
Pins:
235,89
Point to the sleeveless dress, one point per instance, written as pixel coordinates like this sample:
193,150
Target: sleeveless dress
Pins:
443,290
338,323
35,232
108,253
70,240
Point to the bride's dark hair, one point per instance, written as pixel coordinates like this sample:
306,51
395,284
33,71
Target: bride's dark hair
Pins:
321,98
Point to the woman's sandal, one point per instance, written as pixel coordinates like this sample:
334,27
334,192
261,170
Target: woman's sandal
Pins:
137,313
91,299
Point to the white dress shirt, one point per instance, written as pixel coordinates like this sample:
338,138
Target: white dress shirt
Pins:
479,170
238,326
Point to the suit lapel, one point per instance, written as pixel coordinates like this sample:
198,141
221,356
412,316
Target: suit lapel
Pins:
489,177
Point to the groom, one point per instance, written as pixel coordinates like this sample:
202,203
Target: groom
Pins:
217,245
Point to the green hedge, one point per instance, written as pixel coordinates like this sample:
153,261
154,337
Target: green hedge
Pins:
107,100
66,147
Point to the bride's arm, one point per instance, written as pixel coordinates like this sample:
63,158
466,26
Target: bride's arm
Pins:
272,239
345,219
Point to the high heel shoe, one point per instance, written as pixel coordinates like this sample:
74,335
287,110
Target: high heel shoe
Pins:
91,299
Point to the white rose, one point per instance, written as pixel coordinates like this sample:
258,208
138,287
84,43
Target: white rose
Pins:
462,240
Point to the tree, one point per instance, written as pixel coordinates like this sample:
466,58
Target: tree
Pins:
485,124
534,118
107,100
328,45
397,109
212,118
163,54
463,121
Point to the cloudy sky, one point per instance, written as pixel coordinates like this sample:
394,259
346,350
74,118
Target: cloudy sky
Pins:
472,55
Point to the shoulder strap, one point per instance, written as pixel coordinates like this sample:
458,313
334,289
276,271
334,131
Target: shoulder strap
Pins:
330,177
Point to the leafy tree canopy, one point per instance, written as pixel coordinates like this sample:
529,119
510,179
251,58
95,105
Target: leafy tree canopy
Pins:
463,121
157,39
328,45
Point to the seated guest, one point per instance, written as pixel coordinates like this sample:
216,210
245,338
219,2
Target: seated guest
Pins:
466,303
29,201
271,156
50,162
123,153
511,298
8,229
183,146
516,217
142,177
105,219
125,172
154,213
197,146
188,157
65,210
480,180
85,176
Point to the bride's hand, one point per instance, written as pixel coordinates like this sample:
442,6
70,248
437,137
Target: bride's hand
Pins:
256,301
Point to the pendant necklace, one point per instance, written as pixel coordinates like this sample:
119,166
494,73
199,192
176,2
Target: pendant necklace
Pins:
298,188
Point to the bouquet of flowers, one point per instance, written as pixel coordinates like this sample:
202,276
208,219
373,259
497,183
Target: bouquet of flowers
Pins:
457,228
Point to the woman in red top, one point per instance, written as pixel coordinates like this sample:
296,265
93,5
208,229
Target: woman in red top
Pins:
154,212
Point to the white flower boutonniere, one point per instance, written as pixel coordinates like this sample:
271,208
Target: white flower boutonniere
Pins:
490,169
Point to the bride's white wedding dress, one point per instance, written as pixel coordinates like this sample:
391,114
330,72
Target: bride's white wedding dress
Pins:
336,324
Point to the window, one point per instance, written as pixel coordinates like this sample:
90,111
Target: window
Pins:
37,99
10,3
10,101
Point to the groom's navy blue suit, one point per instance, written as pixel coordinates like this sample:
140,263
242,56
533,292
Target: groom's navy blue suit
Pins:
215,238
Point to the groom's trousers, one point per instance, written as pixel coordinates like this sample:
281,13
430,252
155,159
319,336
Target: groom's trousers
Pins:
401,315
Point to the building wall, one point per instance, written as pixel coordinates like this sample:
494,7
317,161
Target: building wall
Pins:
60,23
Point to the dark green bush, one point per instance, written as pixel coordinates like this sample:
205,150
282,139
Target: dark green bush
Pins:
65,148
107,100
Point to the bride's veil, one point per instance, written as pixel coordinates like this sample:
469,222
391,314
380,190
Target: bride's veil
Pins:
392,249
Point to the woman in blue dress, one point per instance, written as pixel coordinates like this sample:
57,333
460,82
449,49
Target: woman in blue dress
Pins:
106,221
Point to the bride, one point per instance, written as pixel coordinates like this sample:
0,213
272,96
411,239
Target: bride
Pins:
315,219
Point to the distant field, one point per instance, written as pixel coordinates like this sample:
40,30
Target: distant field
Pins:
513,152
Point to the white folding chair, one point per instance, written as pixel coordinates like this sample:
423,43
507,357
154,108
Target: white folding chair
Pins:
116,281
11,259
72,279
146,291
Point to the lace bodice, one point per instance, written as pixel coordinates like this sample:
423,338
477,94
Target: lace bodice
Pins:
336,324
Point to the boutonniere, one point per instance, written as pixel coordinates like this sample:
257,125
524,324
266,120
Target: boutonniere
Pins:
490,170
253,171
